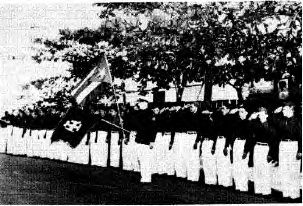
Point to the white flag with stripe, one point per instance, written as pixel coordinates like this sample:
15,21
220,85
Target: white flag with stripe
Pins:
99,74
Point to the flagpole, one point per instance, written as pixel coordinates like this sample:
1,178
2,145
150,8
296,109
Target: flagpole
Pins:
103,120
118,109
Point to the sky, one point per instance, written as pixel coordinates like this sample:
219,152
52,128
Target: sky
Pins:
19,25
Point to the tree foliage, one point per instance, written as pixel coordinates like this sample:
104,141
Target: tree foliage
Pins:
178,43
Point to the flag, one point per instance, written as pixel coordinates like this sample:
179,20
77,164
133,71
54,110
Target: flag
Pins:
99,74
73,126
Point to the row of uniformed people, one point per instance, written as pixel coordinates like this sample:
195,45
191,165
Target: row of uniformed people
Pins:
233,145
183,140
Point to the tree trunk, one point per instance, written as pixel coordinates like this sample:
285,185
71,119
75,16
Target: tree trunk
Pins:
179,93
276,88
240,96
208,87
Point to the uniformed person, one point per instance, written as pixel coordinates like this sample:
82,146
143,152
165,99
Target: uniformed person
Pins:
114,136
19,143
130,124
165,131
169,114
208,157
288,126
145,138
193,127
240,166
3,134
222,129
159,145
261,144
180,141
99,145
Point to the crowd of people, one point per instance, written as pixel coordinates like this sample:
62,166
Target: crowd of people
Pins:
228,144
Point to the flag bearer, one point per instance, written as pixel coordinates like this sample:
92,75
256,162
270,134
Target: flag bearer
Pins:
145,138
289,127
130,124
114,137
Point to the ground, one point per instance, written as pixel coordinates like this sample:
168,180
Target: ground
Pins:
41,181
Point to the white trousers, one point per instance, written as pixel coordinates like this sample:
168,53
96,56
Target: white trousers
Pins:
169,156
47,144
240,166
145,161
22,143
127,150
180,154
261,170
3,139
29,143
224,168
134,158
37,134
99,149
192,158
289,169
80,154
10,139
160,152
17,141
39,150
114,150
164,161
44,144
209,162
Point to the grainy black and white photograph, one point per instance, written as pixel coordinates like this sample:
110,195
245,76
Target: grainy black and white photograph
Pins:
150,103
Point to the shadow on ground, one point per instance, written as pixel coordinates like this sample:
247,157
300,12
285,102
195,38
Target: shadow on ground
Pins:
41,181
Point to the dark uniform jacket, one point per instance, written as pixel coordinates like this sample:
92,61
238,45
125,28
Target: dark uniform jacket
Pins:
260,132
287,129
145,127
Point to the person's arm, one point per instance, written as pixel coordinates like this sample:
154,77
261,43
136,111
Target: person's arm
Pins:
250,140
172,139
273,144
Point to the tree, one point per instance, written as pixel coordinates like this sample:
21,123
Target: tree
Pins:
178,43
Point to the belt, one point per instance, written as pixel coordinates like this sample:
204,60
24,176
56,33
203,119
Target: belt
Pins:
191,132
114,132
220,137
287,140
262,143
239,138
206,138
167,133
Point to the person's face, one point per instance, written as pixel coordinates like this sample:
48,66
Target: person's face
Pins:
34,114
156,110
224,110
102,113
136,108
112,112
193,108
143,105
288,111
263,110
242,114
